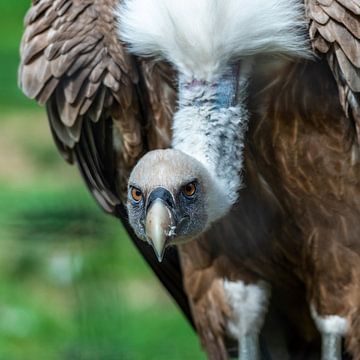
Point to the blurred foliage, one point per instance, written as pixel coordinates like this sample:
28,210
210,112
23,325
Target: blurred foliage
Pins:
11,29
72,286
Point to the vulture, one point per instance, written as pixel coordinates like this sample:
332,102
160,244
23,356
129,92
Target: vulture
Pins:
225,135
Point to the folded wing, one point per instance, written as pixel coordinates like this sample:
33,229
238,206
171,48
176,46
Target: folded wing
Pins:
105,107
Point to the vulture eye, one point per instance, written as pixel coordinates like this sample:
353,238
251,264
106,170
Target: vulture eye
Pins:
189,189
136,194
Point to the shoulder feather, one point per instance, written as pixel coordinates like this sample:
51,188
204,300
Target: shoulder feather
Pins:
73,61
335,32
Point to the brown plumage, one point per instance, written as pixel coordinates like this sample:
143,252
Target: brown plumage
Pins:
296,223
97,90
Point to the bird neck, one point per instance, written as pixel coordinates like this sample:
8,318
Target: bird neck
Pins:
210,126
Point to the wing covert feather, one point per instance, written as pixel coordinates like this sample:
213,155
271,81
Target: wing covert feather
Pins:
72,61
335,32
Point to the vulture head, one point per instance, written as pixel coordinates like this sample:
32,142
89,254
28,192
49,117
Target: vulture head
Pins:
172,198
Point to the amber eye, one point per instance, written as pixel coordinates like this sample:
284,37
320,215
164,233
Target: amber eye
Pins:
189,189
136,194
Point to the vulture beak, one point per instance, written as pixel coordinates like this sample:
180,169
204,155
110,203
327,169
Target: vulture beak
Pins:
159,222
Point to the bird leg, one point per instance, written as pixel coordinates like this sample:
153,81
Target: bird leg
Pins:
331,347
332,329
249,347
248,304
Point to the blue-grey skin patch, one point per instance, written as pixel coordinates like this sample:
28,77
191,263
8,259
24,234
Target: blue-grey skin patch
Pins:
188,212
224,89
227,88
192,210
136,215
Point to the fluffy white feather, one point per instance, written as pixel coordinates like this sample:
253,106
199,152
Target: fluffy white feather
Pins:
201,36
330,324
249,305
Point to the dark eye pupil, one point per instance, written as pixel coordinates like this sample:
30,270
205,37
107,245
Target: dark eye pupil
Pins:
189,189
136,194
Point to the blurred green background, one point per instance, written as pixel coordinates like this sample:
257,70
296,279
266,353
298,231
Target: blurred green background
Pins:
71,284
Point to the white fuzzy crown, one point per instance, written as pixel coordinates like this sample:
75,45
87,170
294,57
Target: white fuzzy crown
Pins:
201,36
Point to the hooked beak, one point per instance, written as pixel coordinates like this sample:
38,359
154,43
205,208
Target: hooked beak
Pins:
159,226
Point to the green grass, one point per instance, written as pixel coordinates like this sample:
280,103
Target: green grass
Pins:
72,286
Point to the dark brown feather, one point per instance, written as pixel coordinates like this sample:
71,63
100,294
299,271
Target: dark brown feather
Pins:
295,224
335,32
303,146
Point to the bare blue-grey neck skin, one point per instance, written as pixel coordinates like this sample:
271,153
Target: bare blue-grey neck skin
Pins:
223,90
210,125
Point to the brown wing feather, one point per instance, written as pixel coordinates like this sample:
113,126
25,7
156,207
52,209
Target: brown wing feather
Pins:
335,31
98,105
73,62
159,79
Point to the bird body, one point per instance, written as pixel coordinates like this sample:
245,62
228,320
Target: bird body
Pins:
270,191
288,251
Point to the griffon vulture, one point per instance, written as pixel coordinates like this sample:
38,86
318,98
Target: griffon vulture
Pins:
257,105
